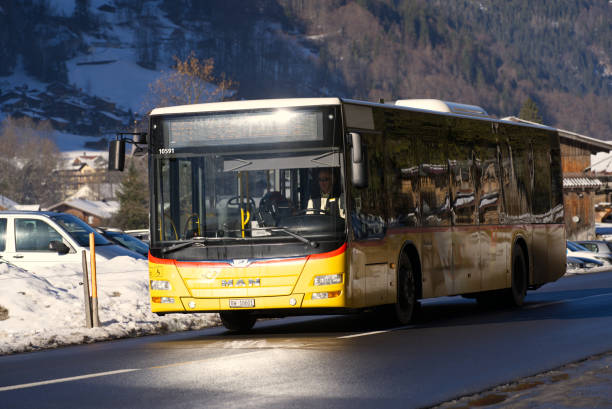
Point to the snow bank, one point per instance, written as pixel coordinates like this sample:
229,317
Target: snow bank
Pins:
46,309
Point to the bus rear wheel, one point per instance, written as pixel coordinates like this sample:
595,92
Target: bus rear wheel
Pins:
238,321
406,302
515,295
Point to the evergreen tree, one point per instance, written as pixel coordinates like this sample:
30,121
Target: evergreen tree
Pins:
530,112
133,200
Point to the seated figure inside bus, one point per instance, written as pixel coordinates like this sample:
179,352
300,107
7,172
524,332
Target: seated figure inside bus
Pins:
327,197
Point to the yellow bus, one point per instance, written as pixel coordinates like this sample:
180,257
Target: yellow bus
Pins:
272,208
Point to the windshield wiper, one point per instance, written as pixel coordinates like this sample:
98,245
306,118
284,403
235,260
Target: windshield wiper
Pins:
303,239
183,244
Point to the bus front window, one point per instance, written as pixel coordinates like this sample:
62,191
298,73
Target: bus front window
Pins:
248,196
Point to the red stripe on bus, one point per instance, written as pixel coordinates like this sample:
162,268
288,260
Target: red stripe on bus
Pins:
153,259
333,253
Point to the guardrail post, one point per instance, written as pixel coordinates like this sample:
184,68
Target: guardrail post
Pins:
86,299
94,283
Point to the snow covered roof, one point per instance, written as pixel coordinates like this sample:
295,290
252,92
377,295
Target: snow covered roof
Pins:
75,161
32,207
569,183
6,203
601,163
100,208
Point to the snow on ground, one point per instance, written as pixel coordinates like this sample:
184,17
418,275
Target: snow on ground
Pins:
75,144
586,271
20,78
45,309
127,90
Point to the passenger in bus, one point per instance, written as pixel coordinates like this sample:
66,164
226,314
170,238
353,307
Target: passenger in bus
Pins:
328,198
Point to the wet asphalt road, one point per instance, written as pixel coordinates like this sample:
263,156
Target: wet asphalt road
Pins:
455,349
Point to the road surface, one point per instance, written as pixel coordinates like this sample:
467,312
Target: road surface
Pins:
456,349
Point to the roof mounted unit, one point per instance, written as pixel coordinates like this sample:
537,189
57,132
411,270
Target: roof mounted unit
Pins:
442,106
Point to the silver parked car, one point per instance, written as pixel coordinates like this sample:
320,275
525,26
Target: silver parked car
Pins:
597,246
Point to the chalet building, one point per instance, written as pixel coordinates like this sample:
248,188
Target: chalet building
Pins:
92,212
581,185
86,177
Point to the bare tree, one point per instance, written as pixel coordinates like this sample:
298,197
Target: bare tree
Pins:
28,162
191,81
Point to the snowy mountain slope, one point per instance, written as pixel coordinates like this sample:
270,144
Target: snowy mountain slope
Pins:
99,61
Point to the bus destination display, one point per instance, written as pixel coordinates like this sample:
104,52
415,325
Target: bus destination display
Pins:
233,129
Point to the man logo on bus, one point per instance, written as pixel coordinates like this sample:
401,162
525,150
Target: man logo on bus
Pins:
253,282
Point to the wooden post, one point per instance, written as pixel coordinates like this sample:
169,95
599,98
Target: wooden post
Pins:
94,283
86,299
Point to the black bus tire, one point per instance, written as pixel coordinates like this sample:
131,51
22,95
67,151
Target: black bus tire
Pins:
239,321
406,302
515,295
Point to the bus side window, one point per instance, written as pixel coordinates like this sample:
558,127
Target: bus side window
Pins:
542,189
489,186
402,179
434,177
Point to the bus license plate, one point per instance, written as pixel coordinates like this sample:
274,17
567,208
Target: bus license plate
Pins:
242,303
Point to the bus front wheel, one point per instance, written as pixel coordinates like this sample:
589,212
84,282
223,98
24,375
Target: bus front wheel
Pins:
406,302
239,321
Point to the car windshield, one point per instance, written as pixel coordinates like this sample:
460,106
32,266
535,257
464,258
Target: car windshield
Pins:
128,241
79,230
576,247
249,196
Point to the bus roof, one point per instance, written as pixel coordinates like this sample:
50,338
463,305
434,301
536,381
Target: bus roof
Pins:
426,105
245,105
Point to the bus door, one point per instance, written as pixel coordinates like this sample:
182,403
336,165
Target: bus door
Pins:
368,218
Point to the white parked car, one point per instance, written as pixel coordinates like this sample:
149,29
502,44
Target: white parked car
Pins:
41,239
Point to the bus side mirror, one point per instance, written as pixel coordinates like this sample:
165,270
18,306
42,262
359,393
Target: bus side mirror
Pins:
116,155
358,174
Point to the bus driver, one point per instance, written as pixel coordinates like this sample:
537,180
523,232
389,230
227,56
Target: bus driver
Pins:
328,198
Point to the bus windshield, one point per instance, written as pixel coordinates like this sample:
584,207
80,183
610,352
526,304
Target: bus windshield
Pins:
249,196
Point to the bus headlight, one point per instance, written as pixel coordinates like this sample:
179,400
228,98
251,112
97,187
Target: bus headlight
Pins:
328,279
160,285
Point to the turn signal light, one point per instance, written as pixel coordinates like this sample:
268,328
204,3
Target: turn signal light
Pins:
323,296
163,300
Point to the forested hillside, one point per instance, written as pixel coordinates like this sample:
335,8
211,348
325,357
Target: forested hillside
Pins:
491,53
